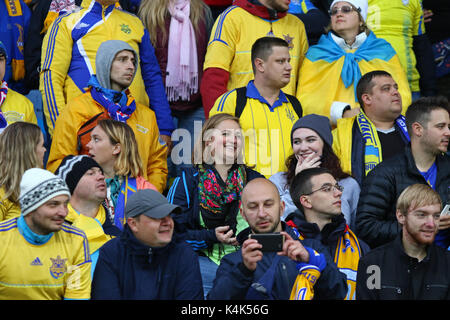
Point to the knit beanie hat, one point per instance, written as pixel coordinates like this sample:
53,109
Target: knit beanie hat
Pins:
37,187
317,123
362,5
72,169
105,57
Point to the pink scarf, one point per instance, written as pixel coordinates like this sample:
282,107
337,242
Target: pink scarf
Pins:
3,93
182,66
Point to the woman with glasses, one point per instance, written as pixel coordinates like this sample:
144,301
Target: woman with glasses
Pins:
332,68
311,143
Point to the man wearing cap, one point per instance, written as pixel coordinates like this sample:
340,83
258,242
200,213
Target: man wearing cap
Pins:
108,97
146,262
42,257
86,182
13,106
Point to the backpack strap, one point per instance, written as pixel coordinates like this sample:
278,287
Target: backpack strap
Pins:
241,101
295,104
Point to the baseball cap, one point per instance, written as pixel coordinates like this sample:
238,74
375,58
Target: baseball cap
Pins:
150,203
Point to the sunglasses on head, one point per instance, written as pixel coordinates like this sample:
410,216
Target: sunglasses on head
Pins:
343,9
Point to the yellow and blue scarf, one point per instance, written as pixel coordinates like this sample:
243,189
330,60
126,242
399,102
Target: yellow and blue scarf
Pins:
373,154
328,50
120,198
346,259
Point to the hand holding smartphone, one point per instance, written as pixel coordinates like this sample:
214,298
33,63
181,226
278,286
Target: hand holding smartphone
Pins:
271,242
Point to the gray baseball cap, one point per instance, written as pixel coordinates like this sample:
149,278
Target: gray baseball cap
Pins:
150,203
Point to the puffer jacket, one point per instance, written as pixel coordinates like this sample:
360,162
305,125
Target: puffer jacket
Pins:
128,269
376,222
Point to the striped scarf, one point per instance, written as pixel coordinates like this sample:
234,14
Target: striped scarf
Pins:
346,259
373,154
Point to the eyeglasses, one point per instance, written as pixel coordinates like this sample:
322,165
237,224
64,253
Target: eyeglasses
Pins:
343,9
328,187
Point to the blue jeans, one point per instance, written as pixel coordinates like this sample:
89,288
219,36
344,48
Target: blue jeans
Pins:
208,270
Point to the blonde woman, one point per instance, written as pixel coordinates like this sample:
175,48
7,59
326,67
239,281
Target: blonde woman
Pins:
113,145
209,194
179,31
21,148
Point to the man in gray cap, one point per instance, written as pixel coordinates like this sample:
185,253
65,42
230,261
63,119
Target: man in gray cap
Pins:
146,261
108,97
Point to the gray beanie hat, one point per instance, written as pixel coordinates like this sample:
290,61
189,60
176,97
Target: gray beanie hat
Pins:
105,57
317,123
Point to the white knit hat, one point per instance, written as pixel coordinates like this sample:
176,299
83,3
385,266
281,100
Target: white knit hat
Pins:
37,187
362,5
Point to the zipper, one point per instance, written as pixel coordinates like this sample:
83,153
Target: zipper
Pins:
397,289
429,286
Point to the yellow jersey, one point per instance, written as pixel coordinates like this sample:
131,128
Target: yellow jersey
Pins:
397,21
59,268
230,44
266,129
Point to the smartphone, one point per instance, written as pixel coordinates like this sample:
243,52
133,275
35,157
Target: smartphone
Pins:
271,242
446,210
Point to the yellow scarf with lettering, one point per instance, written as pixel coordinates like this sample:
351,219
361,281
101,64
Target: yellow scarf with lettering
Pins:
346,259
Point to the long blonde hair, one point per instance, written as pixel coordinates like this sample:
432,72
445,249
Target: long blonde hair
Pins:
154,14
128,161
18,144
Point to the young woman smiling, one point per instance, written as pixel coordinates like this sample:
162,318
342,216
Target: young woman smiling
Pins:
311,144
209,194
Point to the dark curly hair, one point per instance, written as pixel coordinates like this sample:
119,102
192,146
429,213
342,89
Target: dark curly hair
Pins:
329,161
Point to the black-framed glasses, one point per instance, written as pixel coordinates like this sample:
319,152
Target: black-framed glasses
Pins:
343,9
327,187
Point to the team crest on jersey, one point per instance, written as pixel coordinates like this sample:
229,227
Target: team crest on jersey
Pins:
405,2
125,28
58,267
289,40
290,115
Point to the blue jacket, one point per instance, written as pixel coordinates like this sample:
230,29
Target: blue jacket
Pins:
127,269
184,193
233,279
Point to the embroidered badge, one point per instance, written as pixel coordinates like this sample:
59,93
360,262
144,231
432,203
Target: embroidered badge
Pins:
290,115
58,267
125,28
405,2
289,39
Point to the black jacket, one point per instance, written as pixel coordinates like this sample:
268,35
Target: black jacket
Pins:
233,280
376,222
330,234
403,277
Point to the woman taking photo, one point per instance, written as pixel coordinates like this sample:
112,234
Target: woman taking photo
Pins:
21,148
209,194
311,143
333,67
113,145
